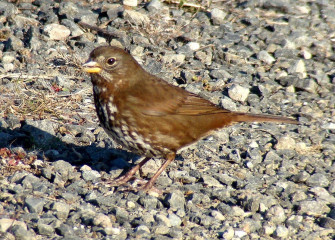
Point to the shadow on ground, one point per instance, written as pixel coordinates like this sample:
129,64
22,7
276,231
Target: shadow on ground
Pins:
52,148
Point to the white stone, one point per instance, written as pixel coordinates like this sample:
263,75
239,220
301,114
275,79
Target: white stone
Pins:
193,45
177,58
218,16
285,142
298,67
266,57
229,233
136,17
130,3
56,31
238,93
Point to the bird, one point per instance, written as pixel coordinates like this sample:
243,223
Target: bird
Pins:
150,117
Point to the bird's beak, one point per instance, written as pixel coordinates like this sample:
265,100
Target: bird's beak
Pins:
91,67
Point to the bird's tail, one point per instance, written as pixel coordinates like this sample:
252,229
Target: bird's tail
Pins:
248,117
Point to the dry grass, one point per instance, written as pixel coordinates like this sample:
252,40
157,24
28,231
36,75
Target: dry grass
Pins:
38,97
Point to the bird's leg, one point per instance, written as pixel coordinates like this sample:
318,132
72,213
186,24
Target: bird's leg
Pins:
125,178
169,158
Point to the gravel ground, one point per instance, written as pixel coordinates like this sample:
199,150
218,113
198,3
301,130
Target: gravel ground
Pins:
248,181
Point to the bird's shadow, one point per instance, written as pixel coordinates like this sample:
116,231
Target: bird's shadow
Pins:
51,148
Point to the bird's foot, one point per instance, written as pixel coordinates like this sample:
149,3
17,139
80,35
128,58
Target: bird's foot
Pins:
141,185
126,183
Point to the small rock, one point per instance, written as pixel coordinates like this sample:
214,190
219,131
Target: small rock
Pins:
285,142
21,232
8,67
217,16
301,177
220,74
313,208
211,182
65,230
330,126
154,5
276,214
323,194
131,204
282,232
240,233
112,231
57,32
162,219
35,205
174,58
102,220
161,229
193,46
8,57
205,58
175,200
217,215
91,175
228,103
6,223
298,196
121,215
298,67
136,17
74,28
308,85
45,229
306,54
130,3
148,201
228,233
175,221
237,211
142,229
318,180
266,57
268,229
327,222
62,210
238,93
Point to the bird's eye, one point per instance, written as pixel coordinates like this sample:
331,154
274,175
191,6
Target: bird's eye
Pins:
111,61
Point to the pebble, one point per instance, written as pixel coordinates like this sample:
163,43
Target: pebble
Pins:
174,58
154,5
175,200
130,3
57,32
298,67
62,210
174,220
218,16
313,208
318,180
228,233
281,232
266,57
6,223
35,205
238,93
136,18
285,142
211,182
91,175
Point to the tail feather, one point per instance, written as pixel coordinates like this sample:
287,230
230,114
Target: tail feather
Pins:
247,117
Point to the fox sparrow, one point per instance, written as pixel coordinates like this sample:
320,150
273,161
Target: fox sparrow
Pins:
148,116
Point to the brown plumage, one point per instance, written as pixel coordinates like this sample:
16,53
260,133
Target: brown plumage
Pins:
149,116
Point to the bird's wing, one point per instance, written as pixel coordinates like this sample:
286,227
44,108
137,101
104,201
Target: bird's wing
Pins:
176,101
